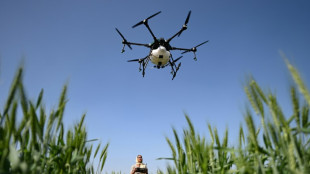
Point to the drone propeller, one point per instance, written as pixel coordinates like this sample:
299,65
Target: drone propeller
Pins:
177,59
187,19
124,40
185,24
145,20
135,60
194,49
178,67
184,27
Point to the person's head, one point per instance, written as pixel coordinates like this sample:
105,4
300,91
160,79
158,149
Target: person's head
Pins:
139,159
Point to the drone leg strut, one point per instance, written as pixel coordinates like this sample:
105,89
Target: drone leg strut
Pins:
123,49
174,68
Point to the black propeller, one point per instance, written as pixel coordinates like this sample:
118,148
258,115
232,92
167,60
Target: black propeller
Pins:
124,40
177,59
194,49
145,20
135,60
185,24
184,27
187,19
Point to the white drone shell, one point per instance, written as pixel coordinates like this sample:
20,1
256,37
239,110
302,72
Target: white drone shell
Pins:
160,56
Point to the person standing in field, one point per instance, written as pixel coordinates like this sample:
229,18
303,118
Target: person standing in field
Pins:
139,167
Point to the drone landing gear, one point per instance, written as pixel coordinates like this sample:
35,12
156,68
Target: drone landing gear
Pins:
174,68
142,64
174,72
145,62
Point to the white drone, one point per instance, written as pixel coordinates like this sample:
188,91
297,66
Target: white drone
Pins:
160,49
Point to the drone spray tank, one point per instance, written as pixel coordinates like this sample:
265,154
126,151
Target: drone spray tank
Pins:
160,56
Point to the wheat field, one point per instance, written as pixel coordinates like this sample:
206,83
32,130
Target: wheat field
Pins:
38,143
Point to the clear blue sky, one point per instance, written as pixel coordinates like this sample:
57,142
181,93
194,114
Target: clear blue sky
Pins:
75,42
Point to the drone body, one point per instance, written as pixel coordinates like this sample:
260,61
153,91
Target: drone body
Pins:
160,56
160,50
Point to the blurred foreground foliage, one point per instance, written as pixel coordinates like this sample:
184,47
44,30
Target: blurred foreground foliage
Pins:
38,142
279,145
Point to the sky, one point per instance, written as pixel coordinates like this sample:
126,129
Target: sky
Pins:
75,43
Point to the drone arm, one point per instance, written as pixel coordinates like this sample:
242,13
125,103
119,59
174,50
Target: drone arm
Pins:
194,49
178,33
182,49
174,68
185,50
148,27
145,22
184,27
138,44
145,62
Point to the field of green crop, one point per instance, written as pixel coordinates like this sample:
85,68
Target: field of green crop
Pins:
279,145
38,143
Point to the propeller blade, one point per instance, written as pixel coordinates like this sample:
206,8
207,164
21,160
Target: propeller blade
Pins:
124,40
178,66
120,34
177,59
194,48
185,51
187,19
137,60
142,22
137,24
134,60
180,33
185,24
201,43
153,15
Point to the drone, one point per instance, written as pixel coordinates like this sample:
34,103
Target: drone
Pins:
160,49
